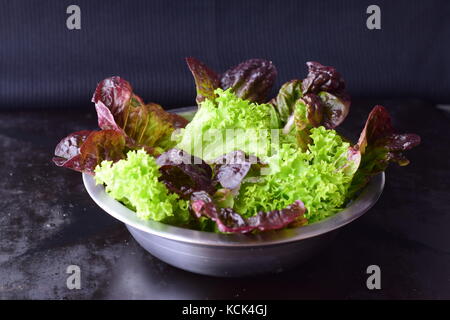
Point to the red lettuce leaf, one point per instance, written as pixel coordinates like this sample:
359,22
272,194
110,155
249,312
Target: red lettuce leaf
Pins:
380,145
250,80
177,121
314,111
318,100
379,132
286,98
126,122
145,125
227,220
307,114
335,109
69,147
322,78
328,85
115,93
184,174
230,169
84,150
206,80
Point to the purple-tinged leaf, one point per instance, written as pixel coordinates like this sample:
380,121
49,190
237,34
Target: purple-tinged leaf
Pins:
184,174
308,114
322,78
250,80
91,150
285,100
318,100
102,145
379,145
206,80
69,147
177,121
230,169
145,125
105,118
314,109
228,220
115,93
379,132
378,126
335,109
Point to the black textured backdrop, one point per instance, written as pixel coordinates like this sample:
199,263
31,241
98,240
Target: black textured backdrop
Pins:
43,64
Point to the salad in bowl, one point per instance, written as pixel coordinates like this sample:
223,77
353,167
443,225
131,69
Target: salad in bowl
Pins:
244,163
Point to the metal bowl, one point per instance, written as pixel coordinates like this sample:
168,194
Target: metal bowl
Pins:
234,255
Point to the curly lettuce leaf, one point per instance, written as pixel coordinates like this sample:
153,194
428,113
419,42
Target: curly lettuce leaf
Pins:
84,150
378,146
320,177
227,124
228,220
135,182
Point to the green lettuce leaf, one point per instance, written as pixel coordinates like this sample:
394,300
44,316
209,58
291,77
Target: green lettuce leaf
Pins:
229,123
135,182
320,177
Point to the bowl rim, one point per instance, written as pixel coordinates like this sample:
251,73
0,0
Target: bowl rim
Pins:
366,199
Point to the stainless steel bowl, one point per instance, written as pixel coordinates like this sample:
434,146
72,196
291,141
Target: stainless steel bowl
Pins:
234,255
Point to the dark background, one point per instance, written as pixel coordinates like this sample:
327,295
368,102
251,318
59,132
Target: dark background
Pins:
48,74
44,64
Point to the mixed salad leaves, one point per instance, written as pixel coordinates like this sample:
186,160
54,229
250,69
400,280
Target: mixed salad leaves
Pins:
244,163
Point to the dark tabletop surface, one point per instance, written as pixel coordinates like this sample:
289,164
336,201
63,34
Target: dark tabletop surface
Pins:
48,221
